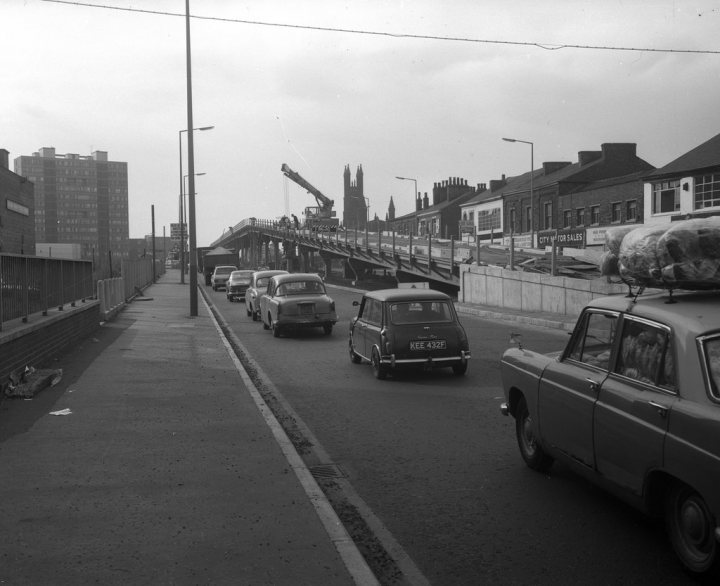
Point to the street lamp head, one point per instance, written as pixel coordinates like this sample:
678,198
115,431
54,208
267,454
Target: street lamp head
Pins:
206,128
509,140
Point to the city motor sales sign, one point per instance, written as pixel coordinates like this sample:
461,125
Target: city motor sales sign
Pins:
570,237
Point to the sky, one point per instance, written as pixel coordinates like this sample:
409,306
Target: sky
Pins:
424,89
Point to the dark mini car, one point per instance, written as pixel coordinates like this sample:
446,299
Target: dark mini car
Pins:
401,328
237,284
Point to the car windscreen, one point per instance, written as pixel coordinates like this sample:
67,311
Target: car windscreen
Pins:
416,312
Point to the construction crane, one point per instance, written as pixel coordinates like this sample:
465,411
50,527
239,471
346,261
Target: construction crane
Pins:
320,217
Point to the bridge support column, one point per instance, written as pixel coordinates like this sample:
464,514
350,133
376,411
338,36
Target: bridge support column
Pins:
266,254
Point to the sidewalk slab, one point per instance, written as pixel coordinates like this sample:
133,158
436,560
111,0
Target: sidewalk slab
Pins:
163,472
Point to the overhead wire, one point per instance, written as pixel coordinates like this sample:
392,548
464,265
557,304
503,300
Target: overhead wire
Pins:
539,45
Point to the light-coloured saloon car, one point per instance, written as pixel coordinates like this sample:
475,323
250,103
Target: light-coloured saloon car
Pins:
296,300
633,404
258,285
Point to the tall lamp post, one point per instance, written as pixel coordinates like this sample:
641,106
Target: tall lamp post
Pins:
416,191
532,196
183,217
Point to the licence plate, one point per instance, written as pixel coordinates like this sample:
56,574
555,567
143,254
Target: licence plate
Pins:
308,309
428,345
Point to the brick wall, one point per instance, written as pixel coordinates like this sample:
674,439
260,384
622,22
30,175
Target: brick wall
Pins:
35,344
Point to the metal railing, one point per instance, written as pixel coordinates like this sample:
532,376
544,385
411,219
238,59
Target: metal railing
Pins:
30,284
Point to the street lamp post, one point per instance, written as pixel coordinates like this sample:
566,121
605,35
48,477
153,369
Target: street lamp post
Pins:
183,217
415,182
183,214
532,196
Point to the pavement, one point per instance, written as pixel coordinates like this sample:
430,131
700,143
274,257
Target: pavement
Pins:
161,464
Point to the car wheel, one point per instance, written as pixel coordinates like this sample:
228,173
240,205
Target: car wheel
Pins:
327,328
460,369
379,369
534,456
249,312
230,299
265,326
275,329
690,527
256,315
354,357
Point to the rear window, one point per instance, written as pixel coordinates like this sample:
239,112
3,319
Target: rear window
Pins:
415,312
301,288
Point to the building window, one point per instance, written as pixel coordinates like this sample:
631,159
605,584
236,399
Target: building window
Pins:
595,216
616,212
707,191
631,211
488,219
547,215
580,217
567,219
666,197
513,221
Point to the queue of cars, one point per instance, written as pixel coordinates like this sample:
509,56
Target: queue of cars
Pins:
632,403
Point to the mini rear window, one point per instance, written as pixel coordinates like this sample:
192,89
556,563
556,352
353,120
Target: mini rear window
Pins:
415,312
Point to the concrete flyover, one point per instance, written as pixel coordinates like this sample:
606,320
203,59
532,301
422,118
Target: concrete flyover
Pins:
410,258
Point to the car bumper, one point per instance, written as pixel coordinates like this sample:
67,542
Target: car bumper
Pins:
426,361
236,294
305,321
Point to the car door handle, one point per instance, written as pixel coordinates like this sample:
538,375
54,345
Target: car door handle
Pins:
661,409
594,385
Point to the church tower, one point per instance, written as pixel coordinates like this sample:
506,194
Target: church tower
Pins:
354,205
391,210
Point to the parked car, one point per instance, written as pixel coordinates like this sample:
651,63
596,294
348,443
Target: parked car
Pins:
237,284
297,300
258,285
220,276
633,404
400,328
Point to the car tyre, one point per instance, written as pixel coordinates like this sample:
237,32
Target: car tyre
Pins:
327,328
275,329
256,315
248,310
460,369
689,525
379,369
266,326
534,456
354,356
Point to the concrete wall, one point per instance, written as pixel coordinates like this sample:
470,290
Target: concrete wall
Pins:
531,292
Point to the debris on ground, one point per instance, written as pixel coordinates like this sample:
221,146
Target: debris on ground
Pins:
30,381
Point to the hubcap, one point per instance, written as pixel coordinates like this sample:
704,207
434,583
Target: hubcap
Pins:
692,522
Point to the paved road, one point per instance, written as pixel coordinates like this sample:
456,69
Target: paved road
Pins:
438,464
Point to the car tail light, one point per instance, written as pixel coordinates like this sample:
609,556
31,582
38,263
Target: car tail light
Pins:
332,306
